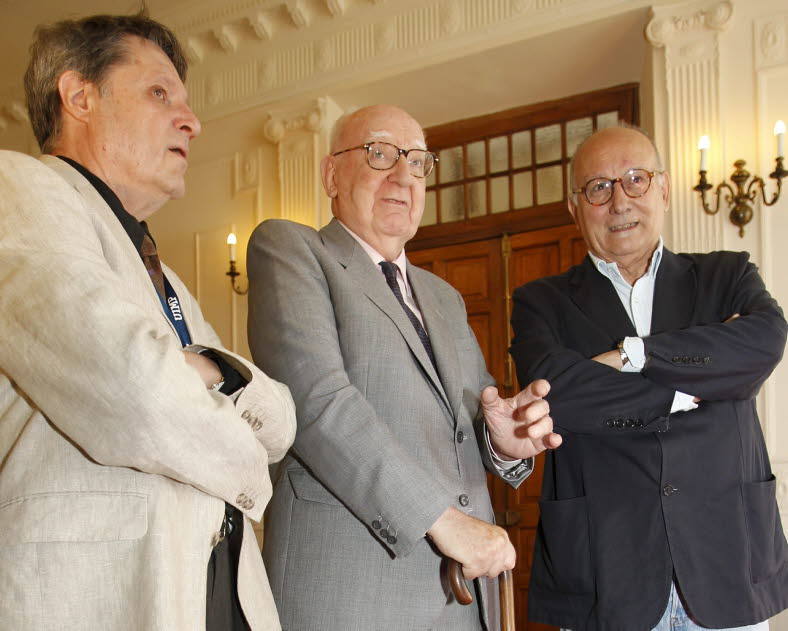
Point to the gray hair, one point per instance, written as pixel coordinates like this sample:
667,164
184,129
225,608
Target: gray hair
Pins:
90,46
621,125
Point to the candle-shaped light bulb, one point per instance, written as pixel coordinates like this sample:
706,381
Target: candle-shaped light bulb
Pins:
231,241
703,147
779,131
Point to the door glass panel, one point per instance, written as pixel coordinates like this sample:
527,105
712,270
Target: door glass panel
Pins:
521,149
523,190
549,185
576,132
476,164
608,119
477,198
499,154
499,194
430,215
452,203
548,143
450,164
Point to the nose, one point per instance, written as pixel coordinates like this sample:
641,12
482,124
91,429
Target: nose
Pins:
619,200
188,122
400,173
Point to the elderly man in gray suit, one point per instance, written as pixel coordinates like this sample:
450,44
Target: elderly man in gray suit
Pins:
134,449
386,477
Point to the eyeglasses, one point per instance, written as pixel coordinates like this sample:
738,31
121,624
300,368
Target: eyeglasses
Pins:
382,156
635,183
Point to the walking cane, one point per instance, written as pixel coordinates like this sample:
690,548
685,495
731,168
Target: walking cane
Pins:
505,586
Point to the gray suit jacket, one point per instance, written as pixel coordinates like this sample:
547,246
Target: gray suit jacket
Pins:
115,460
385,443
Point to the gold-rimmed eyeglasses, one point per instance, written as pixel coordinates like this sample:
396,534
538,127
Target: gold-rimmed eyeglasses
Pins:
634,183
382,156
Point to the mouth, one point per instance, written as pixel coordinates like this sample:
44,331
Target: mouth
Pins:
180,151
623,227
396,202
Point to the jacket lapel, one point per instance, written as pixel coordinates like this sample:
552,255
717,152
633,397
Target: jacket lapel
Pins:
444,346
95,201
674,294
371,281
597,298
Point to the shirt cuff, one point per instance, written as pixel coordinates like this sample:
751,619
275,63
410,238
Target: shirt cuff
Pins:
636,352
500,463
682,402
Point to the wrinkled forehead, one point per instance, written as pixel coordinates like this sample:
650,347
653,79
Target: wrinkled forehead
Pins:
611,154
394,126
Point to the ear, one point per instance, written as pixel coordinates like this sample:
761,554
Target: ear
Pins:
572,208
666,189
75,94
328,175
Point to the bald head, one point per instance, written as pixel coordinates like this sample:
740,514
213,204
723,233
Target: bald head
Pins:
625,229
347,125
382,206
622,131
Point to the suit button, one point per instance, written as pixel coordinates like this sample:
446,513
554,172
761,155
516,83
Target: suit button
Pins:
384,533
464,500
460,436
245,415
685,359
241,499
376,524
610,422
619,423
676,359
707,360
638,423
669,490
392,540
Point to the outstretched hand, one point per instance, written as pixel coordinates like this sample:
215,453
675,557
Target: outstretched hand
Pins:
520,427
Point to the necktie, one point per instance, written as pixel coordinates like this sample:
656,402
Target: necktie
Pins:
151,259
390,272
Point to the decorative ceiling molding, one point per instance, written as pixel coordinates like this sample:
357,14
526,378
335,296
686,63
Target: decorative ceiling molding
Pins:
666,23
269,52
251,53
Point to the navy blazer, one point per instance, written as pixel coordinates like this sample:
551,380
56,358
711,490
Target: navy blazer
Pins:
636,494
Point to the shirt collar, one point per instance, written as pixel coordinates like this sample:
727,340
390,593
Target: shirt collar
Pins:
401,261
611,271
135,229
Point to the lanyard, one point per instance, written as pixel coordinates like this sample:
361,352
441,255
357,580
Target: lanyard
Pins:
172,307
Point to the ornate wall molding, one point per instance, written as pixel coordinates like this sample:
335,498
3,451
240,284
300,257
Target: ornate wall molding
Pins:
692,84
253,53
302,138
771,41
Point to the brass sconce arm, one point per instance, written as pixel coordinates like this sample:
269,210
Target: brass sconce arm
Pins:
233,273
741,199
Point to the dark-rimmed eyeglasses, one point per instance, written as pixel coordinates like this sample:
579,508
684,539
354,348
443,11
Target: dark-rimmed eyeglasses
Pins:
382,156
634,183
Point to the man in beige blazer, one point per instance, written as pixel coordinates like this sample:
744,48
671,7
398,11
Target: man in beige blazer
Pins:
128,474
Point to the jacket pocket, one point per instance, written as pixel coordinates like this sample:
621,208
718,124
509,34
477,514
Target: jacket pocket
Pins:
305,487
566,550
766,539
73,517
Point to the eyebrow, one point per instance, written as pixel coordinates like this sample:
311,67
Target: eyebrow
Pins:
385,136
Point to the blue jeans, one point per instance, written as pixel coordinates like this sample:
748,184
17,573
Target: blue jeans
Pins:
676,619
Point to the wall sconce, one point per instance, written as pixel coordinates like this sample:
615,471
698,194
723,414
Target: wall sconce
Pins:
231,243
741,198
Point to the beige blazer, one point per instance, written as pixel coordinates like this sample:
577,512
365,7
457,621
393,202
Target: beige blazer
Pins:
115,460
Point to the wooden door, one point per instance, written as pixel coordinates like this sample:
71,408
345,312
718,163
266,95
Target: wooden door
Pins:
486,273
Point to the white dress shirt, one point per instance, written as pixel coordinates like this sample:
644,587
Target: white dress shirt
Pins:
638,302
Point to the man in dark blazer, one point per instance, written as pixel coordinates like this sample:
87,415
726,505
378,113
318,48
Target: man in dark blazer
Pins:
385,479
659,510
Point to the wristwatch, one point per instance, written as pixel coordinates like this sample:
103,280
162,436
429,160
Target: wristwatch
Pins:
204,350
623,353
